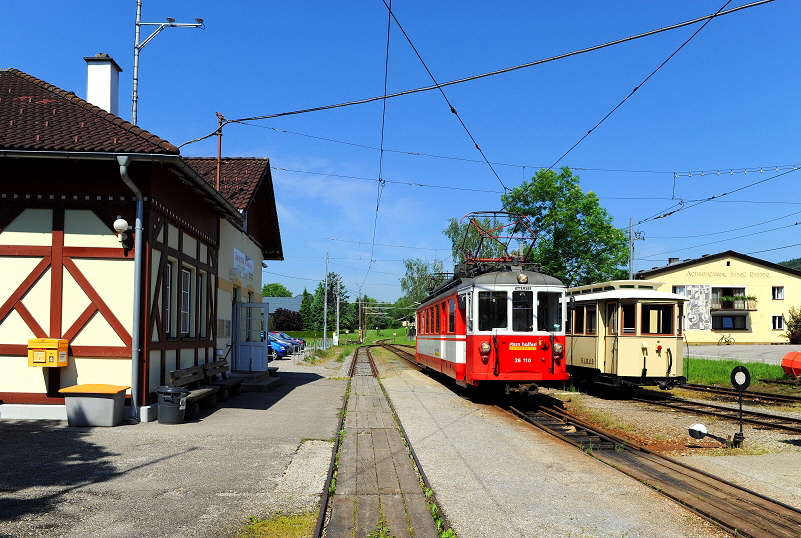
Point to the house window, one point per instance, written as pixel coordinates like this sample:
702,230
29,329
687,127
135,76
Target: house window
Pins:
680,290
186,295
728,322
778,323
778,293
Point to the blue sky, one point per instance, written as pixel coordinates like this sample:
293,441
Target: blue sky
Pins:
727,101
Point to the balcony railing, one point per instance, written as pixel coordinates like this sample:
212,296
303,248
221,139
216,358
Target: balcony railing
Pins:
741,305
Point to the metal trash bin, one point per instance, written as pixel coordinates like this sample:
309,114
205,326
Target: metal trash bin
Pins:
172,404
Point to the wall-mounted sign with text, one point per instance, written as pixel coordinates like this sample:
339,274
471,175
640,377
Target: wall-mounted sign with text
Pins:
242,264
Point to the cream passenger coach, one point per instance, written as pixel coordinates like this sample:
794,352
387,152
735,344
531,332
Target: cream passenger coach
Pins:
625,333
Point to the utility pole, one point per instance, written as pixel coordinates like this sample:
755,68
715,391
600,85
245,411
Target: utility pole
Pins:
633,236
139,46
339,283
325,306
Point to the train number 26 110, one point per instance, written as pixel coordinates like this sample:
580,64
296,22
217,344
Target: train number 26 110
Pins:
518,359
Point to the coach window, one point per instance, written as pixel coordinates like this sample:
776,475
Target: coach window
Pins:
469,311
452,316
679,318
438,315
611,318
578,320
549,311
523,311
629,315
590,319
657,319
491,310
430,320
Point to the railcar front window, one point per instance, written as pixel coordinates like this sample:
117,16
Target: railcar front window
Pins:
491,310
549,311
523,311
657,319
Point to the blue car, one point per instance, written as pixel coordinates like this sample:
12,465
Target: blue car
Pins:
280,349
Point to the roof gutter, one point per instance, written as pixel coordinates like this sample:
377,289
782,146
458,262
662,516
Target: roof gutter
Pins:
175,161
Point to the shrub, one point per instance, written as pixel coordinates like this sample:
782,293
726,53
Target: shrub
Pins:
793,321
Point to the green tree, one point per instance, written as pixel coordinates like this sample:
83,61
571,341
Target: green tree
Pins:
415,283
466,239
306,310
275,290
793,325
576,241
346,316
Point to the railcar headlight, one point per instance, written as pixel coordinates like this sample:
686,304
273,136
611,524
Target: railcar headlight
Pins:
558,348
484,348
522,278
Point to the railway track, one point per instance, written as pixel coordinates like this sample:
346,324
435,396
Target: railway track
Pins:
737,510
765,397
765,420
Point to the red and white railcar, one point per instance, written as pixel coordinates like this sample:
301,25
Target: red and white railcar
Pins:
495,323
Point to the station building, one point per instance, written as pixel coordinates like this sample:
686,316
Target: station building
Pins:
731,294
180,287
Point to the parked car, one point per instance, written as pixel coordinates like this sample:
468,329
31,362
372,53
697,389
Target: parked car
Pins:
300,342
280,349
293,347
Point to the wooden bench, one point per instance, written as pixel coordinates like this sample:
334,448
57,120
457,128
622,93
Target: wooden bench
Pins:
207,383
200,393
218,375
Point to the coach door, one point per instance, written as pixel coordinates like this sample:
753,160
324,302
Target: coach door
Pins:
250,347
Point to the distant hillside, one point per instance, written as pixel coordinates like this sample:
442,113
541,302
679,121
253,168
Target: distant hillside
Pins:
792,264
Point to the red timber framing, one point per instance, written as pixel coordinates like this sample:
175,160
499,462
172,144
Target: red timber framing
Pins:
58,258
202,334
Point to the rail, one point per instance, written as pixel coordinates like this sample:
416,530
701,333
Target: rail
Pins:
740,511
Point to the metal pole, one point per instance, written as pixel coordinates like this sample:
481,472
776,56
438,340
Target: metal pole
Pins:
325,306
339,283
137,48
631,249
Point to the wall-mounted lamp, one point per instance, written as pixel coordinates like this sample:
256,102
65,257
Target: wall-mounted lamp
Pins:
121,226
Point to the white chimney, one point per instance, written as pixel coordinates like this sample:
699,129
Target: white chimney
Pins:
103,81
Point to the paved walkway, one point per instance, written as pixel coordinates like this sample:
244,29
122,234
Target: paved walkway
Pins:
747,353
255,455
376,477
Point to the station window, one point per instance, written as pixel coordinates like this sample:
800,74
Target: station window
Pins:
657,319
629,315
168,301
492,310
186,300
452,316
778,293
523,311
778,323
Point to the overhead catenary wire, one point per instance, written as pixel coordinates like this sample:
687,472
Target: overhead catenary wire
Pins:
442,92
710,171
482,75
640,85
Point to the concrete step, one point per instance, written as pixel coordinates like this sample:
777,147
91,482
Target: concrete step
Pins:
265,385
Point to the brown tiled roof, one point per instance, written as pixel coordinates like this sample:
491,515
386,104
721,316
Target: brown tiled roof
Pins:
35,115
239,176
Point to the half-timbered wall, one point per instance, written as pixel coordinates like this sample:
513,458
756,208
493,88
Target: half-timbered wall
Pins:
63,271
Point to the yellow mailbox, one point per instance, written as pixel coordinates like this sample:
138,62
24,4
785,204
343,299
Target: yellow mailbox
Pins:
48,352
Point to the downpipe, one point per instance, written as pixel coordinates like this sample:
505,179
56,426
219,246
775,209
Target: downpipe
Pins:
136,333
